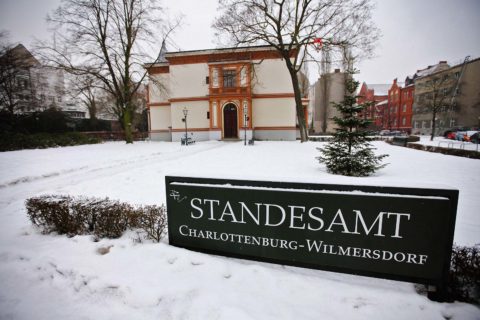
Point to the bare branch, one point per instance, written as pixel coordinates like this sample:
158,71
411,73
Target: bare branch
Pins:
292,25
104,39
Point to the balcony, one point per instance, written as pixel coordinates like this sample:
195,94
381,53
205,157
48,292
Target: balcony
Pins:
230,91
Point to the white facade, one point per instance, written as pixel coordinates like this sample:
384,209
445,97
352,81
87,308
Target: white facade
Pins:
226,92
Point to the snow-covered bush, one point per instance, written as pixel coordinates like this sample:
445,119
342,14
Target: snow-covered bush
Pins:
103,218
54,214
112,218
465,274
153,222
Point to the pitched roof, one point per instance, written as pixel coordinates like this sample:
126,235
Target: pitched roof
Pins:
23,55
379,89
432,69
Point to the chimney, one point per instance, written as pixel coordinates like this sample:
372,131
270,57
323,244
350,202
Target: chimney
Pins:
395,81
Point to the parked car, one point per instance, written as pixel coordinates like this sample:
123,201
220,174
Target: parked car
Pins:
385,133
451,135
460,135
451,132
475,137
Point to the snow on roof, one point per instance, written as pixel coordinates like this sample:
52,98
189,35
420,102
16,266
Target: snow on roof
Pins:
380,89
381,103
432,69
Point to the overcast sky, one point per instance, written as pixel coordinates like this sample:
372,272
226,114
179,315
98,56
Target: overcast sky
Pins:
416,33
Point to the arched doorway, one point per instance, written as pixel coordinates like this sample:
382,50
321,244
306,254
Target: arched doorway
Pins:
230,126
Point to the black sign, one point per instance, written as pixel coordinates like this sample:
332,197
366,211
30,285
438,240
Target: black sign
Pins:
396,233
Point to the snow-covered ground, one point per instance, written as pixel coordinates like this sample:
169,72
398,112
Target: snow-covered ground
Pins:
55,277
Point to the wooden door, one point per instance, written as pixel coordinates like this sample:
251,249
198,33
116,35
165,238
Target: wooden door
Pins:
230,121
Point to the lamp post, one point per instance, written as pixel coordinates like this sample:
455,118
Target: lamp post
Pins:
185,113
245,119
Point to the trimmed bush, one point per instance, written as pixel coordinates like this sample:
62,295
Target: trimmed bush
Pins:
465,274
54,214
103,218
153,222
112,219
19,141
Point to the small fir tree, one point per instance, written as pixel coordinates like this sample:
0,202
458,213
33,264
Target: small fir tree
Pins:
350,152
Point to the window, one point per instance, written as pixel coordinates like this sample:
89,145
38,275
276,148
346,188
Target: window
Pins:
214,115
215,77
229,78
457,75
243,77
59,98
404,121
404,108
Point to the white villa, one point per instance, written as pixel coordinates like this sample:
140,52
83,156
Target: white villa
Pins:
223,92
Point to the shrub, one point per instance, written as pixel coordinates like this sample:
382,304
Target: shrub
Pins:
112,219
53,213
103,218
153,221
464,278
18,141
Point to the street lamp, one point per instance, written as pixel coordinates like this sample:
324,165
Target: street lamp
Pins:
185,113
245,119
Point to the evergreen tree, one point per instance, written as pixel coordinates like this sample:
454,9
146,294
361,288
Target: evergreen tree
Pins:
350,152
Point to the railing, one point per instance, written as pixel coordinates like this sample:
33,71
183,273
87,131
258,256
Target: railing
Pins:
452,144
230,90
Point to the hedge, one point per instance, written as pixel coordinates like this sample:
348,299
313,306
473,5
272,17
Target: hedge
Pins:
103,218
18,141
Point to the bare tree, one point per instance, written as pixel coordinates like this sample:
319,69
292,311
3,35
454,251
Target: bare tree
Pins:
291,26
108,40
435,96
87,90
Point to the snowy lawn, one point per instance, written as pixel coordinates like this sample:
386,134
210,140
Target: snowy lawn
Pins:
55,277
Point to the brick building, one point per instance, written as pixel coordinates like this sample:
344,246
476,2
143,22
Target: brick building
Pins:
376,94
400,106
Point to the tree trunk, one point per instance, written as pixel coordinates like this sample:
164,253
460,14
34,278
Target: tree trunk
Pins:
433,125
298,102
127,125
92,110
